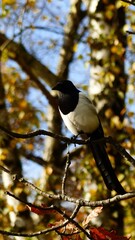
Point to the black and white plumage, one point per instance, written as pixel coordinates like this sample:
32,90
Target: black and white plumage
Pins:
80,117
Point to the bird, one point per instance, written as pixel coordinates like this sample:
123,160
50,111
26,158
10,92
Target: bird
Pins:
81,118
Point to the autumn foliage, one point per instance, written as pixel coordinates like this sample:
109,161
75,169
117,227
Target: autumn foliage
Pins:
50,186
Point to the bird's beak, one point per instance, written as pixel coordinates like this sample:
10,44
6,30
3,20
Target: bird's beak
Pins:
55,88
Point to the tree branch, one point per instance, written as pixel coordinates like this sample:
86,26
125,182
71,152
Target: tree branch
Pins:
126,1
65,174
130,32
28,70
54,228
27,62
63,214
39,132
81,202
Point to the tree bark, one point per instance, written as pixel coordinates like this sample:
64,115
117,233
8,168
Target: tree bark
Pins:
108,81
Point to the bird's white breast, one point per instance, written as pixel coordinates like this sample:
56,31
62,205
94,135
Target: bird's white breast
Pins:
84,118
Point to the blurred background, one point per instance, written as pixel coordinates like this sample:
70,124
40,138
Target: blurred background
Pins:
92,43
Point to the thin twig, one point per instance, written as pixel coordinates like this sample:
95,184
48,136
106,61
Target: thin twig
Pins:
65,173
130,32
69,218
74,222
81,202
45,231
126,1
41,208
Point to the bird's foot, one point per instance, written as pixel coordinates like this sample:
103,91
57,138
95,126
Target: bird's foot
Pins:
73,138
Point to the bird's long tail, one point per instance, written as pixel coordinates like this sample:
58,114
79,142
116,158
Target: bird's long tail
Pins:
103,163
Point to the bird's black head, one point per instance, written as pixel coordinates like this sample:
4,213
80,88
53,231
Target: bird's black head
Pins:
65,87
68,97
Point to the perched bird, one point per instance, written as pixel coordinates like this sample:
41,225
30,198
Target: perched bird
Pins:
80,117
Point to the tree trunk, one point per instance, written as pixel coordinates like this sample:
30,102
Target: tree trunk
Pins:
108,82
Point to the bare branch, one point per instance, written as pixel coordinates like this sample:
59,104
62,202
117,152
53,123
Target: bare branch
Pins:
45,231
43,89
44,133
69,218
39,132
81,202
126,1
65,174
34,158
130,32
75,223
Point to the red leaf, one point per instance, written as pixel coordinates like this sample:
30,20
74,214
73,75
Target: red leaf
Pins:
40,210
64,238
96,234
102,234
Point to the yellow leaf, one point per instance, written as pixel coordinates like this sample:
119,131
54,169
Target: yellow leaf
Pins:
30,146
114,49
9,2
122,4
109,113
31,3
10,208
21,114
75,47
23,104
21,208
18,190
131,114
109,77
49,170
85,87
3,153
80,57
115,122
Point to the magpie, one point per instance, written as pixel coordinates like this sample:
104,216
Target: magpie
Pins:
80,117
